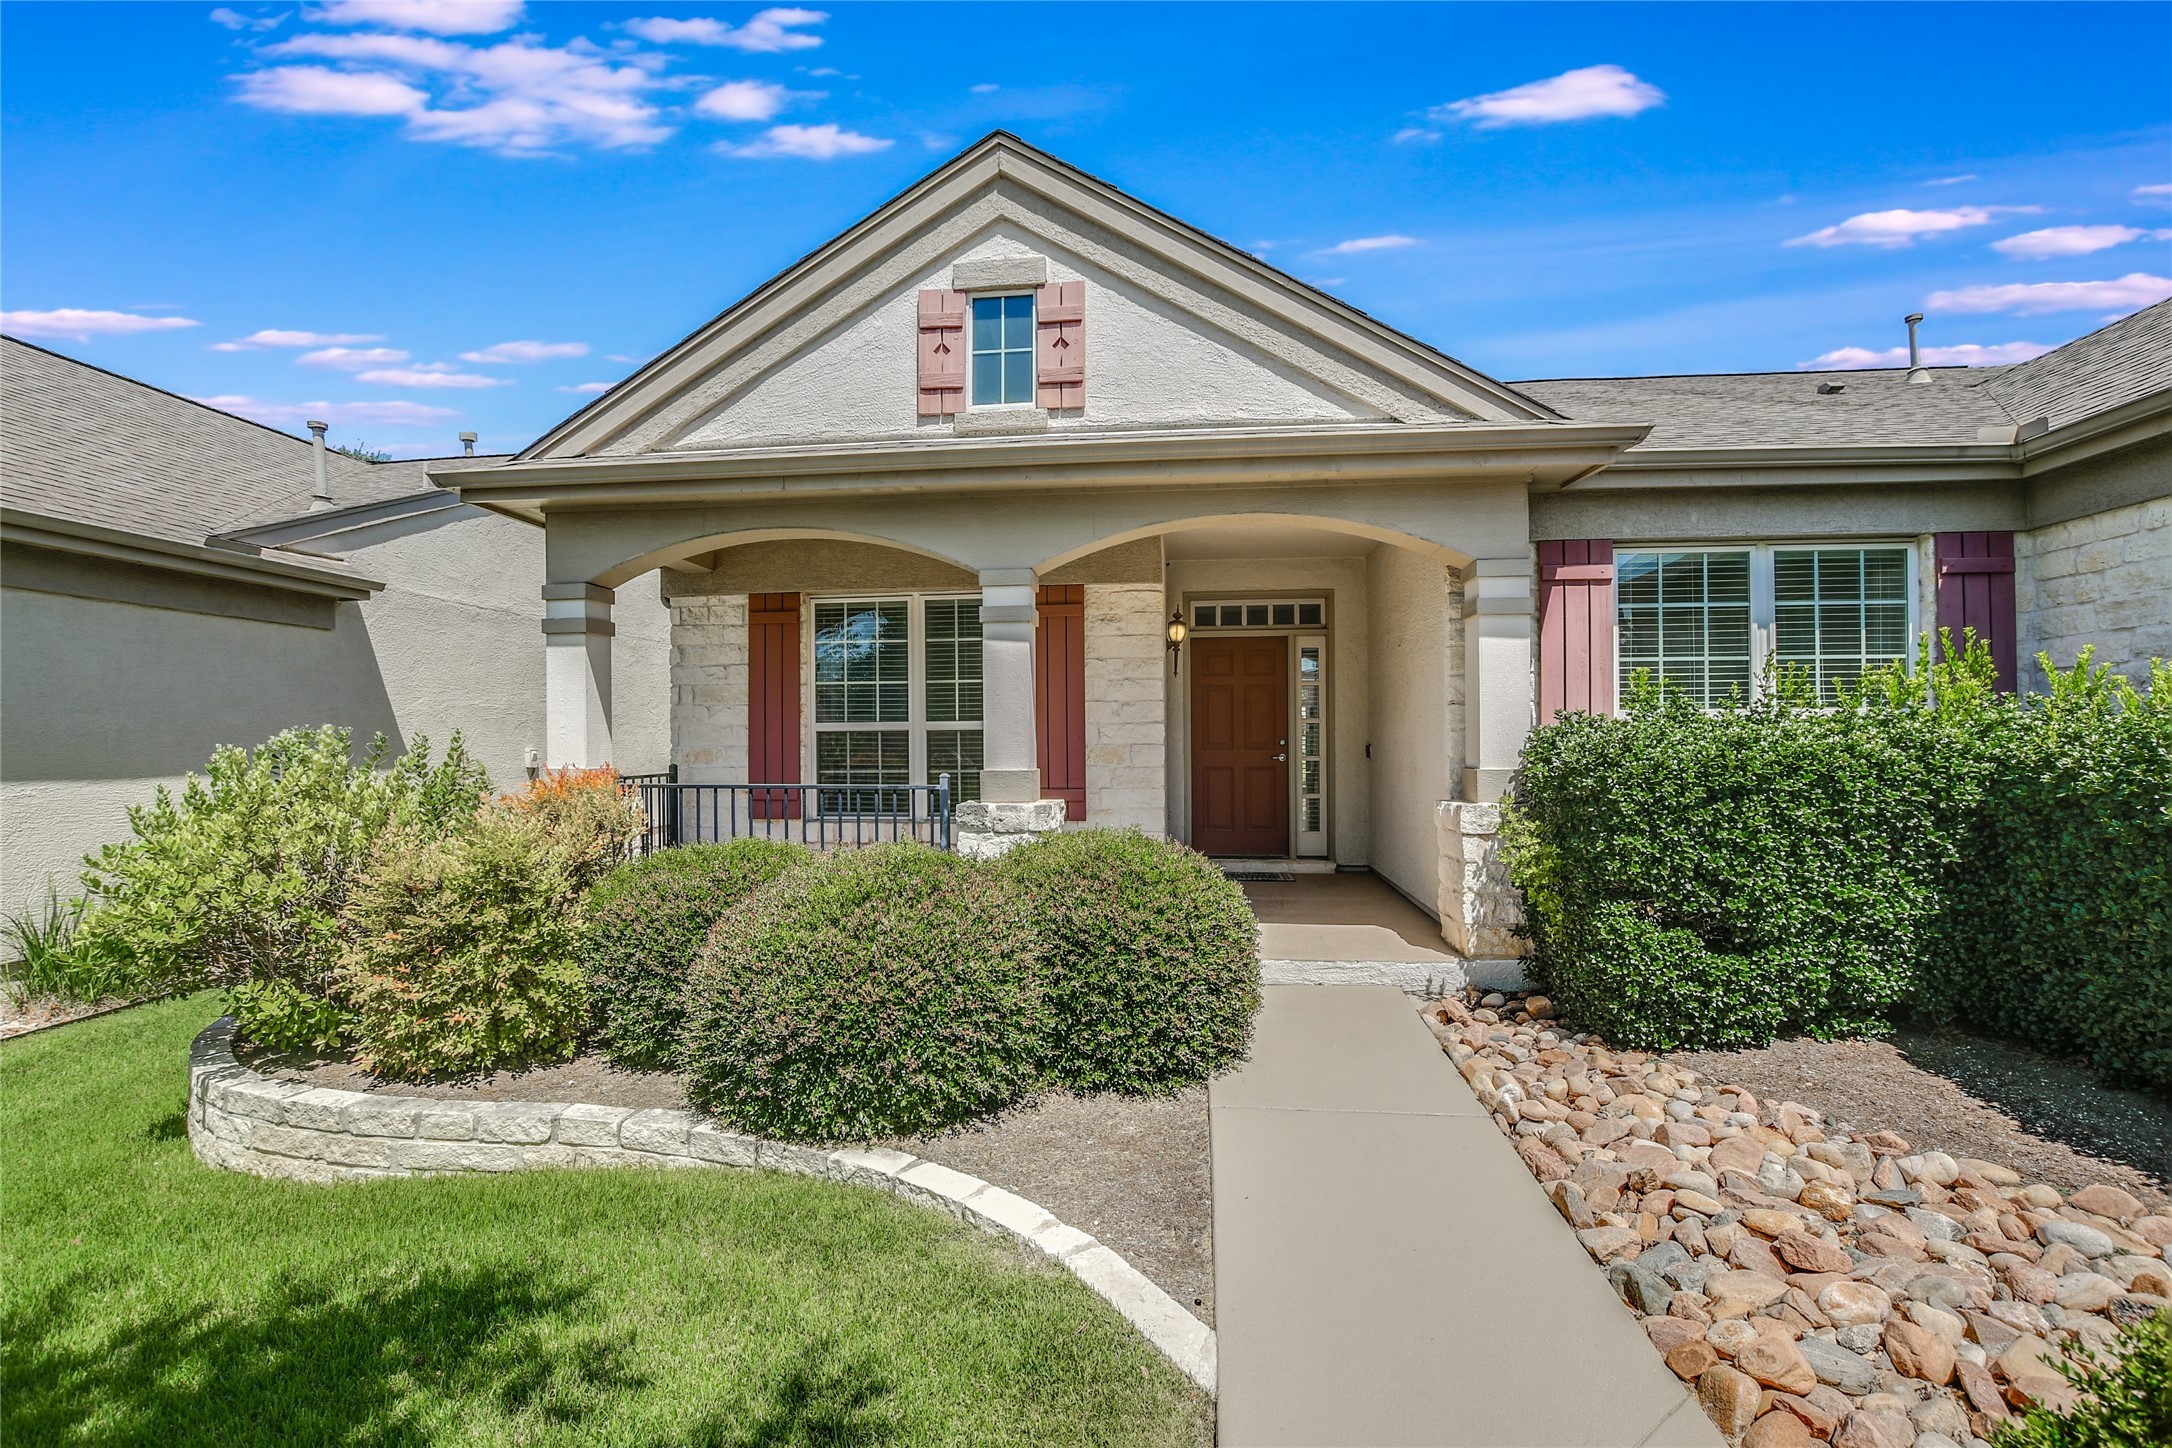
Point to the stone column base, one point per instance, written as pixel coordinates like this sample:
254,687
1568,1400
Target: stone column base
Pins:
1479,908
982,829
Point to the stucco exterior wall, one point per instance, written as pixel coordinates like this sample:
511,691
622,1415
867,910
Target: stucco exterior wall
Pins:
1126,707
101,700
1755,515
1149,364
1415,632
2102,579
1343,582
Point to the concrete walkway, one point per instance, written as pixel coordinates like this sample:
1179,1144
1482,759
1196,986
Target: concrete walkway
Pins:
1386,1271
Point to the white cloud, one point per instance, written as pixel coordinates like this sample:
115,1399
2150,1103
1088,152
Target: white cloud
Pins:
2073,240
1900,227
744,100
769,32
1951,180
1575,95
525,351
2121,295
367,414
437,17
1367,243
274,337
2157,194
235,20
516,97
814,143
312,90
434,374
1409,134
985,88
351,359
589,389
82,325
1967,354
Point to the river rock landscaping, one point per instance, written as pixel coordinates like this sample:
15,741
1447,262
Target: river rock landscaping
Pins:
1811,1282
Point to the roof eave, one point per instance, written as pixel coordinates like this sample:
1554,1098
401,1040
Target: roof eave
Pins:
2113,430
1784,466
231,562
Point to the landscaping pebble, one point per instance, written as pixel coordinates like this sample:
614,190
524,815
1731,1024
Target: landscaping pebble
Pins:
1813,1285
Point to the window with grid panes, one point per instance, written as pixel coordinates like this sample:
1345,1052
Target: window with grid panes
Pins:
1002,350
952,671
896,704
1685,617
1839,611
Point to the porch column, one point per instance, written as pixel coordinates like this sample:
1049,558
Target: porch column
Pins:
577,633
1497,679
1010,809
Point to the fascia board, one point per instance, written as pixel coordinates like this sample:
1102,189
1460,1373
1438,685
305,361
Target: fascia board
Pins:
1731,467
290,531
1168,459
2112,430
66,535
893,224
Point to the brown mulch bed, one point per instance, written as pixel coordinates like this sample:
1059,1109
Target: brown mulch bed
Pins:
1948,1090
1132,1172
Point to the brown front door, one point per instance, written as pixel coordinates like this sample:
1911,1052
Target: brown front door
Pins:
1241,746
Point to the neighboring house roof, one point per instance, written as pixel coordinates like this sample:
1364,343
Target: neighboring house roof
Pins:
1785,409
2111,366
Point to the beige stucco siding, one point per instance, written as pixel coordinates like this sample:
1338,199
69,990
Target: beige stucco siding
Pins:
1752,515
1416,674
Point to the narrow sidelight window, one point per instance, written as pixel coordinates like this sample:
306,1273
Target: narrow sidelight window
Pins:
1002,350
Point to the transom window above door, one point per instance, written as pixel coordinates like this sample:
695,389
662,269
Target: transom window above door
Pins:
1002,350
1260,613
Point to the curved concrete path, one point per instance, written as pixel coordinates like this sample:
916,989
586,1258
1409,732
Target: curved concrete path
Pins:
1387,1272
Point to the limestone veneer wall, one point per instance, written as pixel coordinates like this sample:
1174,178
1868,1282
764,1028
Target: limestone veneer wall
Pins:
2104,579
1127,676
242,1121
709,687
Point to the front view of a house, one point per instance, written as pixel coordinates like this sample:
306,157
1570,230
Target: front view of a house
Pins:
1025,484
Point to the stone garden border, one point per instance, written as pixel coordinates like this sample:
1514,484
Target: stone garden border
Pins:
246,1122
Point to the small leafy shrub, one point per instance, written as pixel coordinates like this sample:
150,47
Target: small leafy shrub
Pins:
1696,879
1150,960
646,923
462,953
49,956
241,877
2126,1397
587,818
287,1018
877,992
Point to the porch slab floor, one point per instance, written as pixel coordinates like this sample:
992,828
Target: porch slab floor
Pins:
1351,929
1386,1270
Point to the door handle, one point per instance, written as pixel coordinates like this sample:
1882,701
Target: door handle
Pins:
1281,758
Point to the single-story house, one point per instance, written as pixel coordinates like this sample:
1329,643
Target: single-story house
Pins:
173,578
1023,482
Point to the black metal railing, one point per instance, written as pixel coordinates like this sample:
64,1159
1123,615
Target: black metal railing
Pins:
630,782
822,816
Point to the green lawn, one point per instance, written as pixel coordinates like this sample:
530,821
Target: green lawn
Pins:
151,1300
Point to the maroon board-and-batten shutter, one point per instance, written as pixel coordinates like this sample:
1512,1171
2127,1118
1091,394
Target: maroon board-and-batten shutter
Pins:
1976,591
1576,627
1059,695
941,377
773,701
1059,363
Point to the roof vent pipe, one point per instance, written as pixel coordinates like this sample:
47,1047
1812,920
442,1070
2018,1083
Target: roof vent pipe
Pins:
467,444
320,494
1917,372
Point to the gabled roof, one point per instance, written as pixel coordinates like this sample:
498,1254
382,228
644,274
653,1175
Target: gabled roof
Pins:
1003,158
2113,365
1785,409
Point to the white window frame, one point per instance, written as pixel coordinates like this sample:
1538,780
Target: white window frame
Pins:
916,724
1033,348
1764,602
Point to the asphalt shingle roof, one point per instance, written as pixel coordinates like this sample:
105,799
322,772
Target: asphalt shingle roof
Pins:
1785,409
2112,365
85,444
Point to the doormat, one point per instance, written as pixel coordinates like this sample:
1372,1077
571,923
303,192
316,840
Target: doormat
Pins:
1261,877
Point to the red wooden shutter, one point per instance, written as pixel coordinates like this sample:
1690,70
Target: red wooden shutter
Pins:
773,702
1060,345
1576,627
1059,695
1976,591
942,352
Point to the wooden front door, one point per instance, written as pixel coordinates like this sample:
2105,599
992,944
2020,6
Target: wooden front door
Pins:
1241,746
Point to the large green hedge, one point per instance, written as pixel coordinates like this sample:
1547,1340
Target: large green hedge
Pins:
1717,878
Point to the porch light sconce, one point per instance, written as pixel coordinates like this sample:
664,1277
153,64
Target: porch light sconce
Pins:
1176,638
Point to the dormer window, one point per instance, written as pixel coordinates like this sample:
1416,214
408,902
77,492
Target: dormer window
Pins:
1002,350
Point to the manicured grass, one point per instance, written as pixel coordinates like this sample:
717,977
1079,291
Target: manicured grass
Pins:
152,1300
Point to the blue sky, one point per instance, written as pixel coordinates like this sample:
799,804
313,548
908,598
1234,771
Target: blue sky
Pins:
421,216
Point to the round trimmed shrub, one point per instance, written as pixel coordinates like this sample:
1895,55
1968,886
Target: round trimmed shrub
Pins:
888,991
647,920
1150,958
